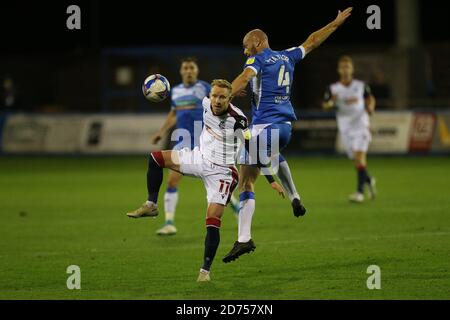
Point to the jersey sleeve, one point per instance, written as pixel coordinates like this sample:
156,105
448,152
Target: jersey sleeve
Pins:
295,53
255,63
367,91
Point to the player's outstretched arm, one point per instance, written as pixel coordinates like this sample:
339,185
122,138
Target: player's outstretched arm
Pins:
170,122
316,38
240,83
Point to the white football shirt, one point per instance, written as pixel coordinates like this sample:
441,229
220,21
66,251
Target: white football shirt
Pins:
351,112
218,141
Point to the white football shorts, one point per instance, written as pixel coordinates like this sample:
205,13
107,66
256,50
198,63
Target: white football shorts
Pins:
219,180
356,140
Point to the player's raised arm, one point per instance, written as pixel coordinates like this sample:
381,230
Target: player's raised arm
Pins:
316,38
240,83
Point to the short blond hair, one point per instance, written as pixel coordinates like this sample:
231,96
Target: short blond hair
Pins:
222,83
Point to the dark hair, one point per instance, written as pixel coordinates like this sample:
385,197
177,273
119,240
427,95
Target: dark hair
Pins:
189,59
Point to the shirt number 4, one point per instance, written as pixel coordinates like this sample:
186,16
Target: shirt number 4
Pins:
283,78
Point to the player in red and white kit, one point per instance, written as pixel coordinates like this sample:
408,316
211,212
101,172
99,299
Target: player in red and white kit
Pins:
225,127
354,104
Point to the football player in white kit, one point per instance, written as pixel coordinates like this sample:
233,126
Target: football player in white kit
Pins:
186,114
354,103
225,127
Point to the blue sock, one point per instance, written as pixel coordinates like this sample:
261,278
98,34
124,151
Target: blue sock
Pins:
246,195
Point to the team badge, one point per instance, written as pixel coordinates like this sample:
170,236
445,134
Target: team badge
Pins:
250,60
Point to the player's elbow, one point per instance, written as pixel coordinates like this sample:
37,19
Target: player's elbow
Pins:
314,44
310,44
313,41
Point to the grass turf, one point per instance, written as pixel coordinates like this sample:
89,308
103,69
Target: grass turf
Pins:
56,212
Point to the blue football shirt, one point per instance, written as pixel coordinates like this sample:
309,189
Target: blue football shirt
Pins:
187,102
271,87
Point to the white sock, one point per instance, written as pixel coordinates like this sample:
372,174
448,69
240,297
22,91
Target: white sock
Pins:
170,204
285,176
245,218
169,216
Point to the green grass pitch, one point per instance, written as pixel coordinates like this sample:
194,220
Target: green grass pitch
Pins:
56,212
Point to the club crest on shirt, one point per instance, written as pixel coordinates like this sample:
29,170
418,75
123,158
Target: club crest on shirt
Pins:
250,60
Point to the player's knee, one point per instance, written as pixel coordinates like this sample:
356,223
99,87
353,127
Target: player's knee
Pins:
358,159
169,158
215,211
156,159
172,183
359,162
247,178
245,185
173,180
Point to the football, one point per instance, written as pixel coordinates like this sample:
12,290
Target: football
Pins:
156,88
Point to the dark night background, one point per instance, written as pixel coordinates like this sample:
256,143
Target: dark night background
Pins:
41,25
65,66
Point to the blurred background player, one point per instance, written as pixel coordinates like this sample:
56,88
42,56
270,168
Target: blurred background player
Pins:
354,103
270,74
213,161
186,113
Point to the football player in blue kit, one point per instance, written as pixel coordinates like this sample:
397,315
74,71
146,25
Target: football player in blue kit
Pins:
270,74
187,114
